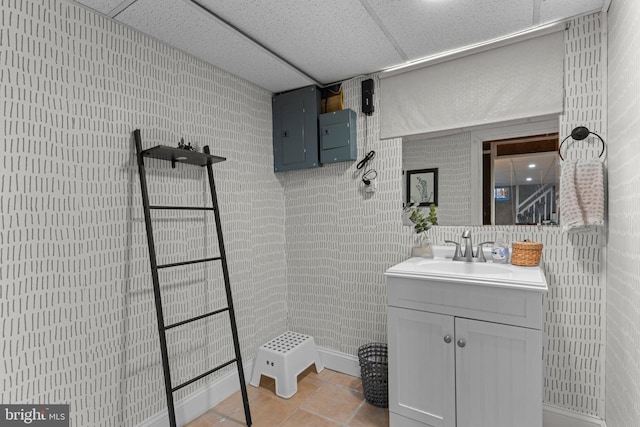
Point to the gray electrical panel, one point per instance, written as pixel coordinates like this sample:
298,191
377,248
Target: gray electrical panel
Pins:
338,136
295,129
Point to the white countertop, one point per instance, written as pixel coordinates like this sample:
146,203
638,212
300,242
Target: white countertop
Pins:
443,268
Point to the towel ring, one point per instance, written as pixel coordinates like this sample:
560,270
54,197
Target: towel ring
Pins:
579,134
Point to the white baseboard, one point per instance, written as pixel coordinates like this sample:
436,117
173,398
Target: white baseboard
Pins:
341,362
209,396
560,417
202,400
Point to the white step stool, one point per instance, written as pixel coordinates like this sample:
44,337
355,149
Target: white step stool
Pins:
283,359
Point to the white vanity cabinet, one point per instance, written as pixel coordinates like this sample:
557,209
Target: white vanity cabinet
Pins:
464,352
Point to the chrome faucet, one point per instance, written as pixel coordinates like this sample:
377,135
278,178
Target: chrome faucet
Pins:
468,246
457,256
468,255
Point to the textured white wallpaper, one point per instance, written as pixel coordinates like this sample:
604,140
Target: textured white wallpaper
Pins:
583,81
306,249
340,241
452,156
576,336
76,303
623,273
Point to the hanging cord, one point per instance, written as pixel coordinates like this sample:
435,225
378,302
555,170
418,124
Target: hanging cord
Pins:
369,174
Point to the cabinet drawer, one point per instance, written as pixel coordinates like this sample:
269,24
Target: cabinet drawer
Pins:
494,304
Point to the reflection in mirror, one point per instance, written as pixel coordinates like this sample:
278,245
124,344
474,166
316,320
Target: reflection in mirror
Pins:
482,172
451,157
522,188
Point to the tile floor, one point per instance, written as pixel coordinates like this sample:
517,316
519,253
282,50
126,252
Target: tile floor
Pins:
326,399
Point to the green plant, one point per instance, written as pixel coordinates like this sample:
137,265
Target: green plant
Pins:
421,223
433,219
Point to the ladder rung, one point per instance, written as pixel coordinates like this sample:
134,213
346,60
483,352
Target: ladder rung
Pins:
193,319
183,208
203,375
195,261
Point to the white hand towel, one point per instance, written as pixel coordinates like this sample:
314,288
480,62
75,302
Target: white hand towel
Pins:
581,194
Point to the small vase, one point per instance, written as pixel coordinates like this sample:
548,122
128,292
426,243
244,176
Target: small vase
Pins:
423,248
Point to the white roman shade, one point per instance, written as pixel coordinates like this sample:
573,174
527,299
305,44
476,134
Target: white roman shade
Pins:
511,82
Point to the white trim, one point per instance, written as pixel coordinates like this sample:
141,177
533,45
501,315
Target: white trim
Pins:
341,362
500,130
119,8
604,64
202,400
209,396
476,180
560,417
475,48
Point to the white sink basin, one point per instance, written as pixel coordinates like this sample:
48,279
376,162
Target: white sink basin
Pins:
466,268
484,273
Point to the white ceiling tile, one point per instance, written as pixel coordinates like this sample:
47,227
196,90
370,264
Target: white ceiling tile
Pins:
186,26
102,6
426,27
331,39
552,10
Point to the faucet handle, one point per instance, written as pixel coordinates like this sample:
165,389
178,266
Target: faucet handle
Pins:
457,254
480,256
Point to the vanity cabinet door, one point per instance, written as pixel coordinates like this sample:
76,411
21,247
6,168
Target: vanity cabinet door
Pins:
421,368
498,375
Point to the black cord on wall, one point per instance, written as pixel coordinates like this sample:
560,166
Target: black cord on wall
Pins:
369,174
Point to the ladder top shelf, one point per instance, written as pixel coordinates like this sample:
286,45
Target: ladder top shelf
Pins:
179,155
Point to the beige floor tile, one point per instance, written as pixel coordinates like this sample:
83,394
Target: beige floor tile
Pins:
307,387
370,416
233,421
346,381
327,399
267,411
234,403
209,418
266,384
302,418
335,402
324,375
203,421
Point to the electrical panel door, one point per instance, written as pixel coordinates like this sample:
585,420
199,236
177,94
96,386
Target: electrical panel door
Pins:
295,129
338,136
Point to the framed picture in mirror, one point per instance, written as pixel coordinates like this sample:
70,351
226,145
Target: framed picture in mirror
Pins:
422,186
501,194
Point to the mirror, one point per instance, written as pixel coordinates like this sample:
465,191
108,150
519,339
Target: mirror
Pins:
524,176
482,172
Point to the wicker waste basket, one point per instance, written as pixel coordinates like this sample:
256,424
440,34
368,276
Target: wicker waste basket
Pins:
374,372
526,253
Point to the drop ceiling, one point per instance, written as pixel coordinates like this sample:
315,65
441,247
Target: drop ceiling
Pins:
285,44
530,169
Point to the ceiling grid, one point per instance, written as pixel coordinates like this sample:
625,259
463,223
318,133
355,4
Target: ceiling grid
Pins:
286,44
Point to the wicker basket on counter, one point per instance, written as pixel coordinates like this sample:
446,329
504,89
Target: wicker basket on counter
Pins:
526,254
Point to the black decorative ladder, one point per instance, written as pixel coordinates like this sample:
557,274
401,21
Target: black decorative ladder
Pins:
178,155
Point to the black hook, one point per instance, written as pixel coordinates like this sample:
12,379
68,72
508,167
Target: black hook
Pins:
579,133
